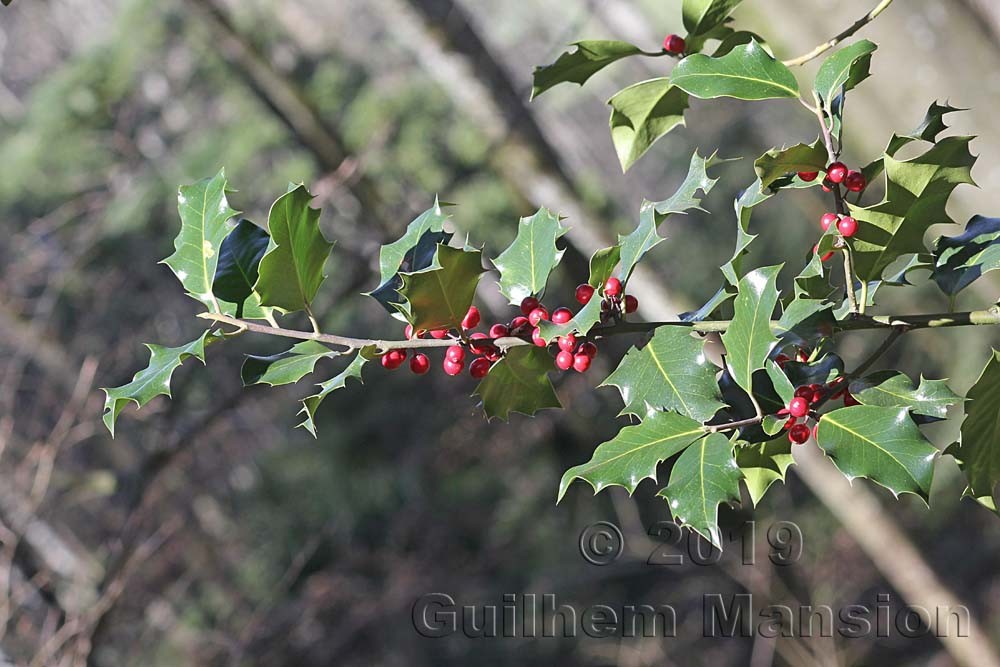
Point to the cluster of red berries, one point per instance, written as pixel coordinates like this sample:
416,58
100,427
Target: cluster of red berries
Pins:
806,399
674,44
837,174
571,352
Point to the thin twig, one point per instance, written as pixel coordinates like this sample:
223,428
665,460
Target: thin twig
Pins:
855,27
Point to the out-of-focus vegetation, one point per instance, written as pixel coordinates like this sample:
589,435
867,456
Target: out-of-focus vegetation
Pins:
210,531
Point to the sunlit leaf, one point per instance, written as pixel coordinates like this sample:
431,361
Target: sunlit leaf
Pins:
746,73
526,264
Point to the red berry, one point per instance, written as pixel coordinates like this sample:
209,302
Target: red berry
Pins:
536,338
420,364
499,331
827,220
825,257
855,181
583,294
479,368
408,332
537,315
798,407
802,355
781,360
804,392
519,323
808,176
827,185
471,319
493,355
674,44
453,367
455,353
790,422
631,303
613,287
391,360
581,363
849,399
567,342
799,434
847,227
837,172
817,393
528,304
482,348
564,360
439,333
561,315
589,349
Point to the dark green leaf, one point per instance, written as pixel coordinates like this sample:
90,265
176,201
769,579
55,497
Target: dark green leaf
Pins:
749,339
891,389
577,66
236,273
291,270
417,258
739,38
671,372
746,73
518,383
960,260
882,444
979,450
311,403
641,114
439,296
775,163
205,215
526,264
708,309
285,367
917,193
633,454
704,476
154,380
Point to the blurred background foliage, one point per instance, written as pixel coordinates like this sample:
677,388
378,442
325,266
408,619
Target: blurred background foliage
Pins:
212,532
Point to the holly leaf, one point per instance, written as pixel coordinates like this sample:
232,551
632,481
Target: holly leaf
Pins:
651,214
739,38
641,114
775,163
237,270
703,20
526,264
960,260
154,380
891,389
764,464
205,215
917,193
581,323
671,372
602,265
749,339
929,129
633,454
704,476
978,450
843,71
723,295
821,371
577,66
291,270
285,367
519,382
882,444
439,296
746,73
745,203
311,403
805,322
417,258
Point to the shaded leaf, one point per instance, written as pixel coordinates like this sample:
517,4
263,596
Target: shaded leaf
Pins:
154,380
353,370
843,71
703,20
745,203
882,444
285,367
764,464
205,215
746,73
577,66
237,270
749,339
519,382
670,372
641,114
417,258
708,309
526,264
979,450
775,163
704,476
291,270
633,454
439,296
960,260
